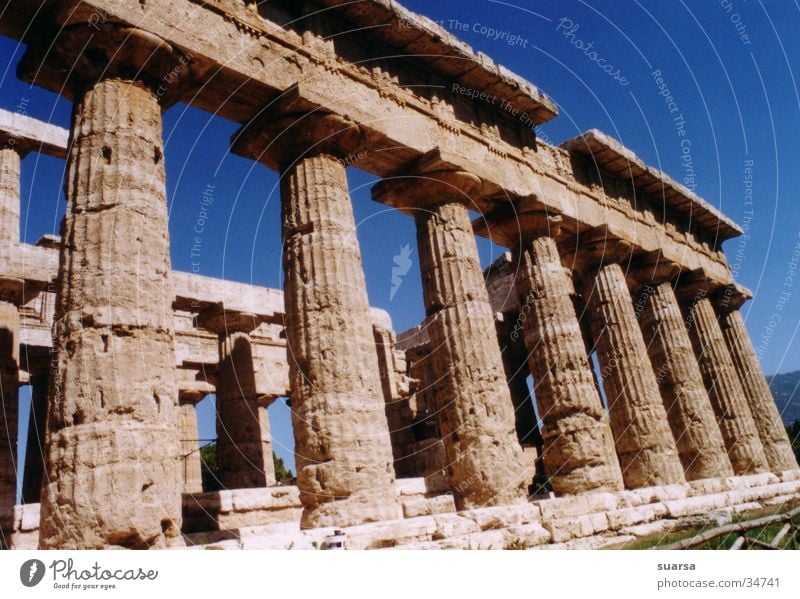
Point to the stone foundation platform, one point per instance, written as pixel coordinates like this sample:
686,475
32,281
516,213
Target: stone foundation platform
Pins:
270,518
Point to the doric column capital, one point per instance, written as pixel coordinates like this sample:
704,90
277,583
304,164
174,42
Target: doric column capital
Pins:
693,286
291,128
729,298
433,179
225,322
81,50
515,225
588,251
651,270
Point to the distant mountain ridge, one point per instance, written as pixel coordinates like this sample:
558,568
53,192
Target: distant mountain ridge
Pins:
786,390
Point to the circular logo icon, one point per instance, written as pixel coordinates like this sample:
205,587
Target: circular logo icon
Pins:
31,572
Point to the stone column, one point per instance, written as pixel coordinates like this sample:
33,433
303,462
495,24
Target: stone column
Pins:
396,392
645,446
112,466
9,406
34,453
244,449
343,448
9,199
578,445
691,417
190,443
777,447
486,464
477,422
739,432
515,367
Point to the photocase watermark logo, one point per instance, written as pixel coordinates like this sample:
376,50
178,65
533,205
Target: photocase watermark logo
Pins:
403,265
67,575
31,572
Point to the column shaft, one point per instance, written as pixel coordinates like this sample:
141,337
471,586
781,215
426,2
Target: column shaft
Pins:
343,448
647,452
9,406
578,446
9,199
485,460
691,417
739,432
34,453
190,448
243,456
515,367
113,473
777,447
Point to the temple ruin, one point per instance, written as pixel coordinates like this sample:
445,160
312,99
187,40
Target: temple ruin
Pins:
615,297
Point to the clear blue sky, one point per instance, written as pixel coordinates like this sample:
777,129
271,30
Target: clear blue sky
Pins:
731,68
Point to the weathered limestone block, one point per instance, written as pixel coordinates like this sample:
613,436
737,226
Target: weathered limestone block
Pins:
112,454
691,417
477,421
427,506
190,445
679,508
230,510
34,452
735,420
9,199
489,518
644,442
777,447
9,406
631,516
580,526
578,446
344,454
244,445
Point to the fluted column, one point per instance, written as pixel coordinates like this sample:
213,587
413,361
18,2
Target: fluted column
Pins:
647,452
691,417
515,366
113,474
771,430
477,420
343,445
190,443
9,199
244,447
343,448
739,432
34,452
578,445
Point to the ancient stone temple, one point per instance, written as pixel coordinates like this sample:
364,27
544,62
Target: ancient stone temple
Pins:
647,403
